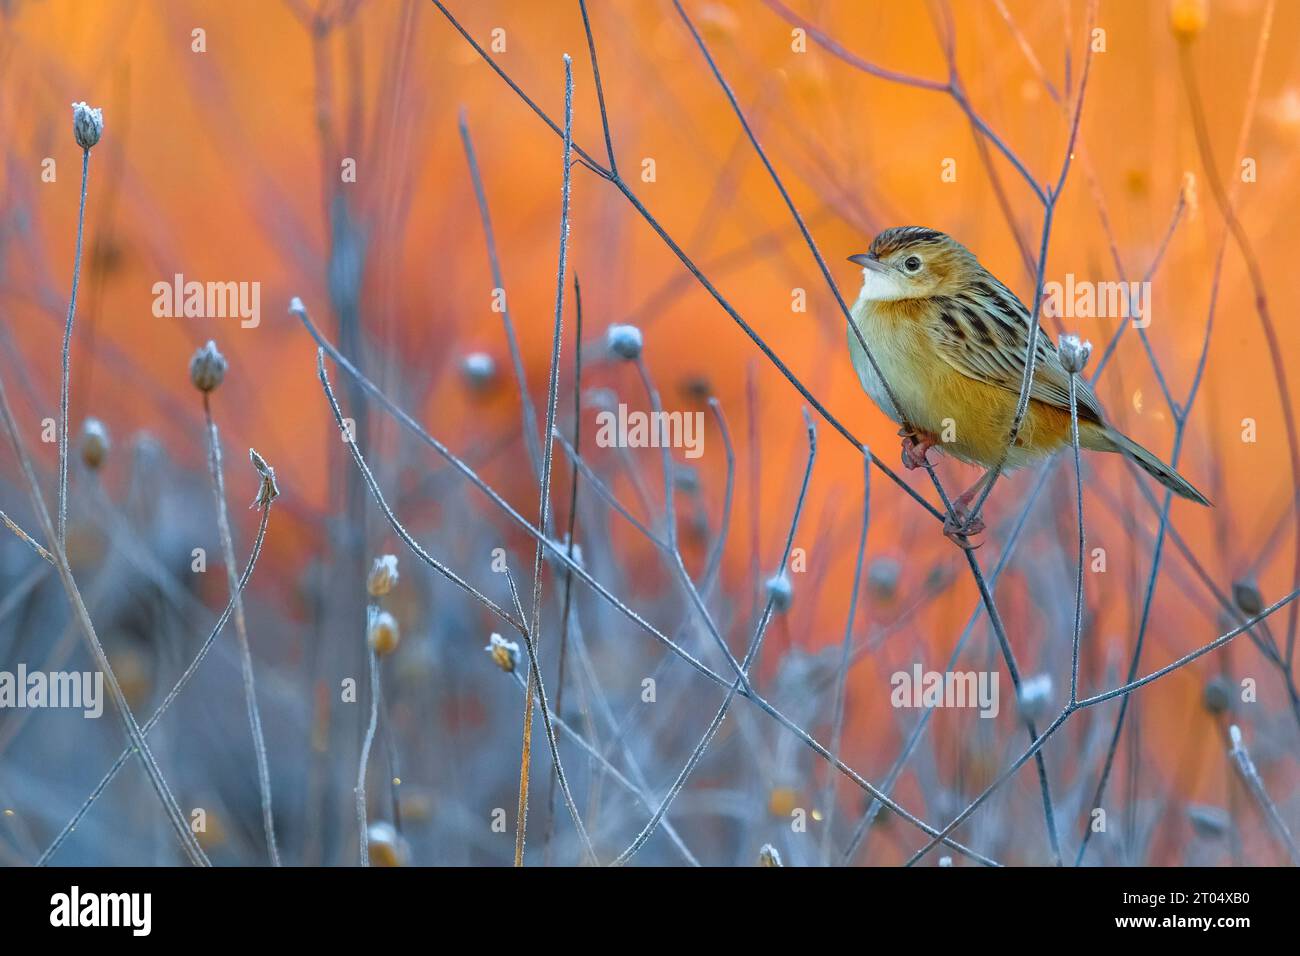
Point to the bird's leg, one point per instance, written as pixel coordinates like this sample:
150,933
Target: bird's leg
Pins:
958,526
915,445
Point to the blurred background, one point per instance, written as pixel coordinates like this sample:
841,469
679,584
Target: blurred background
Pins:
314,147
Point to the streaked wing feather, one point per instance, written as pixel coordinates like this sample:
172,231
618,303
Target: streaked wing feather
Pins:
984,335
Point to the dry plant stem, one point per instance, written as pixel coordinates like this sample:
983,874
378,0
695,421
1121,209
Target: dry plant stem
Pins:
1275,351
1035,319
369,478
914,737
1246,767
1008,656
1022,406
1180,430
544,506
241,629
600,89
952,87
516,622
686,261
372,663
794,212
846,654
750,654
674,552
65,379
619,777
1122,691
1078,585
531,442
603,490
179,824
171,694
558,552
25,537
566,601
535,670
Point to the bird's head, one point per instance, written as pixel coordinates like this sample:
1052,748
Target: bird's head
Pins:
912,262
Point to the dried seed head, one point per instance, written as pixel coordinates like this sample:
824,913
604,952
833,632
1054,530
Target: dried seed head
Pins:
207,367
383,634
696,388
883,575
769,856
1209,821
504,654
87,124
686,478
945,861
94,443
269,490
385,845
779,591
1187,18
383,575
1217,695
1247,598
1035,696
1074,353
479,369
624,341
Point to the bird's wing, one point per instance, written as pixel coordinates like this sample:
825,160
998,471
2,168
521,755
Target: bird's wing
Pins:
984,335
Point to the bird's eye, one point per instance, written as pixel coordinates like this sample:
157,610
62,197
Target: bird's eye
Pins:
912,263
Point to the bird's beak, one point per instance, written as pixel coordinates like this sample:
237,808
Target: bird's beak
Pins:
868,261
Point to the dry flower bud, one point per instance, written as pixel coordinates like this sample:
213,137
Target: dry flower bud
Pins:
883,575
269,490
479,369
383,634
505,654
1074,353
1217,696
94,443
1247,598
624,341
87,124
779,591
1035,697
769,856
207,367
383,575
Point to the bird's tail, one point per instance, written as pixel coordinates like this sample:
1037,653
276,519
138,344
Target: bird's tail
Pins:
1153,466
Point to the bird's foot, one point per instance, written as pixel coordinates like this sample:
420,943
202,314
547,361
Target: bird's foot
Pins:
915,446
960,525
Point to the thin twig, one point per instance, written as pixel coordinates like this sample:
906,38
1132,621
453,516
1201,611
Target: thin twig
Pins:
67,359
172,694
241,628
544,507
179,824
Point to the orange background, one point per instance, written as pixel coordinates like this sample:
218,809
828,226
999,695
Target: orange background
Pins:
220,165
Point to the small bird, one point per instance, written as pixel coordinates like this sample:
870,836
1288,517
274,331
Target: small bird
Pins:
950,340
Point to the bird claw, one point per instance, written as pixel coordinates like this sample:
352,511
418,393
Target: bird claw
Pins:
915,447
959,526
